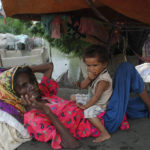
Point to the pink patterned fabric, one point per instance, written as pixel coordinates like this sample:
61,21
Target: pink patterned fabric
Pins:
125,124
40,127
48,87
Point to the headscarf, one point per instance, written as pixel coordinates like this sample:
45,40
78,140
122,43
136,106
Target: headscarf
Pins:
7,93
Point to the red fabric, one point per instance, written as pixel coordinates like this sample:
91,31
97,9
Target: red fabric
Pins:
48,87
56,27
93,28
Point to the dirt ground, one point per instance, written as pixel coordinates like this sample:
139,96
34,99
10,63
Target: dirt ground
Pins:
136,138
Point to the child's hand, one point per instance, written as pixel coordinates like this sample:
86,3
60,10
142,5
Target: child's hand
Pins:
73,98
80,106
91,76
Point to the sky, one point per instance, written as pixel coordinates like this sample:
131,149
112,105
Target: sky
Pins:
1,10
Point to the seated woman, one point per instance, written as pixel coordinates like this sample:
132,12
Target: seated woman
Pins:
49,117
126,80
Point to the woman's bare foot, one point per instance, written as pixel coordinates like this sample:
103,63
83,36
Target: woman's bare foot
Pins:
102,137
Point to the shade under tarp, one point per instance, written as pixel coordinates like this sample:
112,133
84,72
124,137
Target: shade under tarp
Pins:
135,9
13,7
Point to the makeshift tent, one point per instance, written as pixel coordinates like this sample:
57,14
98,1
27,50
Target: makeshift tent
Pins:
136,9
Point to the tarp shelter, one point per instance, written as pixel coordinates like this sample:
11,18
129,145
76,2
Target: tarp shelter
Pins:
135,9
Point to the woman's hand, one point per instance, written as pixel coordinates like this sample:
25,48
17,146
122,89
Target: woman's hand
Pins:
32,103
29,101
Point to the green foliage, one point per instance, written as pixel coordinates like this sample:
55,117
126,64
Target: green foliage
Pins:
66,44
69,45
37,30
14,26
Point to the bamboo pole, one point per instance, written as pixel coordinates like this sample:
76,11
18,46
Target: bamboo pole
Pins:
1,63
96,11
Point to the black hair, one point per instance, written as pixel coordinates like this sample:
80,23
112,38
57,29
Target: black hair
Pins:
27,70
96,51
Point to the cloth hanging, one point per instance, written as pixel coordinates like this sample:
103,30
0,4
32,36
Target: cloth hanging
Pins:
94,28
47,22
55,33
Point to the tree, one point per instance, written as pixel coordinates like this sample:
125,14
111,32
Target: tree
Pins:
68,43
14,26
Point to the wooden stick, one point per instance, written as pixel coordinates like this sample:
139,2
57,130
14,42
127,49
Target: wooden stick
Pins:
96,11
1,64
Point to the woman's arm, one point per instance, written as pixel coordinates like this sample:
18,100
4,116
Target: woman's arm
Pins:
46,69
68,141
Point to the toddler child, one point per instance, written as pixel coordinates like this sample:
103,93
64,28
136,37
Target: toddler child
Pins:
100,87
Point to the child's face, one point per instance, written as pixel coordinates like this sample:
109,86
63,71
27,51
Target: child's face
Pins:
94,66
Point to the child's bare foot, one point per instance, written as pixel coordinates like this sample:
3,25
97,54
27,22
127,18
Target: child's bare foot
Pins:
102,137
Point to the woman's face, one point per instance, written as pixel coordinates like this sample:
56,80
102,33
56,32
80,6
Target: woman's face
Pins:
24,86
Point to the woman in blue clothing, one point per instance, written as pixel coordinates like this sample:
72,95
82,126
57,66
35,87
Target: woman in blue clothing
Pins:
126,80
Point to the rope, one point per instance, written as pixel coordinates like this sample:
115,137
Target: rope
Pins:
50,54
145,59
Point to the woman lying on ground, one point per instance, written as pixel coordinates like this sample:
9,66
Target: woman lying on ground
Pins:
18,85
48,116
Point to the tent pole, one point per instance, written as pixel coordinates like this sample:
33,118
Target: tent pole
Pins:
1,64
100,16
